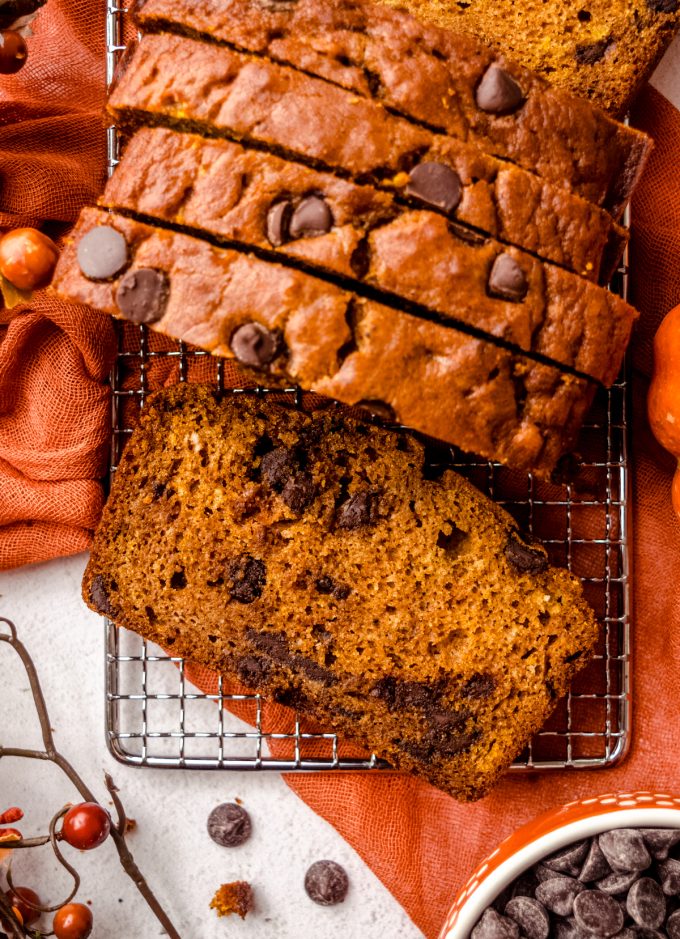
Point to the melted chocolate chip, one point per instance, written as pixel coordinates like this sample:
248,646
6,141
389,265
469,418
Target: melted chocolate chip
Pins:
102,253
436,184
253,671
327,585
399,695
255,345
378,409
99,596
592,52
299,492
479,686
275,645
229,825
278,221
278,466
498,92
524,559
507,279
663,6
313,670
142,295
326,883
357,512
311,218
247,576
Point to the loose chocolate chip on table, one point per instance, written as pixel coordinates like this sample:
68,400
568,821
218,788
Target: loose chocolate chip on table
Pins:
142,295
598,913
494,926
229,825
507,279
617,882
356,512
673,925
646,903
326,883
278,221
102,253
595,865
528,560
592,52
247,576
558,894
530,916
311,218
435,184
498,92
255,345
625,849
669,873
298,493
659,841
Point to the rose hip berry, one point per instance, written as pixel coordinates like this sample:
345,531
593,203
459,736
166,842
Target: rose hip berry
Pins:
86,826
73,921
27,258
20,898
13,51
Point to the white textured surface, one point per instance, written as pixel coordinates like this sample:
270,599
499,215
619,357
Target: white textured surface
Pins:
666,78
171,807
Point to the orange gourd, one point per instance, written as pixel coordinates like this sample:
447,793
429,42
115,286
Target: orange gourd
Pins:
663,400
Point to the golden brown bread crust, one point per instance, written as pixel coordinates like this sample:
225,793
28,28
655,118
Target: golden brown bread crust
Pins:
310,556
497,404
432,74
184,175
416,255
597,49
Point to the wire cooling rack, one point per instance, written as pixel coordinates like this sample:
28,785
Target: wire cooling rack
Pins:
156,717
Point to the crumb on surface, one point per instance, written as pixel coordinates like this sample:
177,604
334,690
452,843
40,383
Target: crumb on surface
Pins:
236,897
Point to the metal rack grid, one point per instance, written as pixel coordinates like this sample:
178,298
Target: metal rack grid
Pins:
156,717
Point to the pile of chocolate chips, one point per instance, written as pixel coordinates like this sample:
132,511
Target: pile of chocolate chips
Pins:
623,883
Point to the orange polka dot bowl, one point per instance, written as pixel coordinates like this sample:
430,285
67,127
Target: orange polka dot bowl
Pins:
547,834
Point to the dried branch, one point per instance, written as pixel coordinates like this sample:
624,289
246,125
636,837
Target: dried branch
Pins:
51,754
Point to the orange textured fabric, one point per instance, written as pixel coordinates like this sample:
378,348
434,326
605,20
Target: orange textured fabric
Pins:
54,409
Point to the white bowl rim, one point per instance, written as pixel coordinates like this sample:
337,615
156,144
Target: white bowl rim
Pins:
639,816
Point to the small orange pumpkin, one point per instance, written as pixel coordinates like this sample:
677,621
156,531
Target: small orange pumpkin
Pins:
663,400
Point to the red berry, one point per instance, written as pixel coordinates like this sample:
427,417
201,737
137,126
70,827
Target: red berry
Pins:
73,921
27,258
13,51
17,897
86,826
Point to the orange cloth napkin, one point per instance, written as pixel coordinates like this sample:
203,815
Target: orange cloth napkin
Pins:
53,440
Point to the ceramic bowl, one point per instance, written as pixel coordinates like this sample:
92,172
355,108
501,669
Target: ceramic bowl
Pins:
548,833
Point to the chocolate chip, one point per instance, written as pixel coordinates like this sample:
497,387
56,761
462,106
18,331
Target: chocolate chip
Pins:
414,694
558,894
479,686
507,279
247,576
450,741
311,218
598,913
673,925
229,825
327,585
102,253
617,882
568,929
659,841
595,865
625,849
357,511
299,492
314,671
662,6
326,883
436,184
378,409
494,926
278,221
142,295
255,345
278,466
527,560
275,645
568,860
592,52
178,581
253,671
530,916
498,92
99,596
669,872
646,903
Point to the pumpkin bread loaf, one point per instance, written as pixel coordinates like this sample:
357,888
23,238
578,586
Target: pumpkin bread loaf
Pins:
189,179
446,80
296,328
309,556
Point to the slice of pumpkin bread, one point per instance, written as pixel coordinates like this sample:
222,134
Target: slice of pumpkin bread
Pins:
310,556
